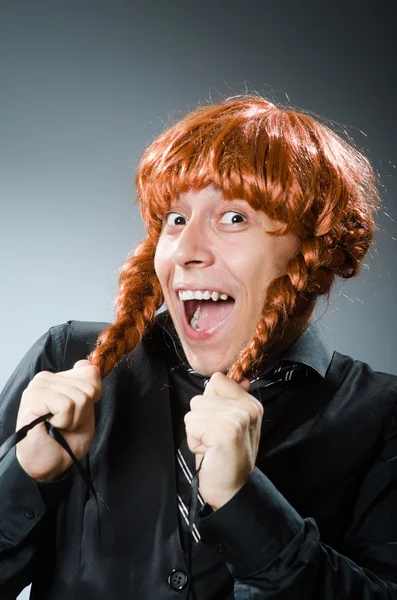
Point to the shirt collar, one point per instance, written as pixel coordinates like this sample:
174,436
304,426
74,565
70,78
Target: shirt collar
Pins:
311,348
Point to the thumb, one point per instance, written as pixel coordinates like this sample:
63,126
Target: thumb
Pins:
219,385
91,373
245,384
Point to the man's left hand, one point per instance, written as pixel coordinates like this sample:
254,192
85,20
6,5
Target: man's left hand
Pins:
224,427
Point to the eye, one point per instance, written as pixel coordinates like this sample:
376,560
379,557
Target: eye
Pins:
231,217
174,218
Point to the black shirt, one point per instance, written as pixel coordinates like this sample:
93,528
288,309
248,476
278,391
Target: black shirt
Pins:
317,518
313,351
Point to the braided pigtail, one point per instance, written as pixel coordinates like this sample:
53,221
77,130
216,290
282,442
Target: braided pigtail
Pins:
138,299
292,297
285,300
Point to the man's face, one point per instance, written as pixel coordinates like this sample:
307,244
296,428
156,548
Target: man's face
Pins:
209,245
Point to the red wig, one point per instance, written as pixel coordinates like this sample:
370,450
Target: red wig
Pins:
282,162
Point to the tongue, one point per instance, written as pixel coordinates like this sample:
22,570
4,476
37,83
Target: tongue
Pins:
211,313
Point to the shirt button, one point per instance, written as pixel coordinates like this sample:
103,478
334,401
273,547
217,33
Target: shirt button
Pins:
177,580
221,548
29,513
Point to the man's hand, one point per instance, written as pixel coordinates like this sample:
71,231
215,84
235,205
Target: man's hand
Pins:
224,427
70,396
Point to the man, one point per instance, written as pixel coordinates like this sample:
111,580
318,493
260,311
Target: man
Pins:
251,211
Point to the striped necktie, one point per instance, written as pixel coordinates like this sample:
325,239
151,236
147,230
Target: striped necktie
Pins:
284,372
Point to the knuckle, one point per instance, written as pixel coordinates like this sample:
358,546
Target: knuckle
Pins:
217,377
257,409
42,376
81,397
245,418
67,405
89,392
240,417
26,394
190,429
94,372
194,402
236,432
39,382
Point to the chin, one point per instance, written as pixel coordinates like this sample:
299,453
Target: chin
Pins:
208,369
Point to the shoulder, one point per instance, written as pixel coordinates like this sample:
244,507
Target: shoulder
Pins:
50,352
359,389
81,330
73,340
352,371
60,343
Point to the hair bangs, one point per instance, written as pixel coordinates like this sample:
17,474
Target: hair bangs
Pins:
281,162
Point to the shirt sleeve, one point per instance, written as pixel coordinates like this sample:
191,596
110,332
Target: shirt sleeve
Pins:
24,502
273,553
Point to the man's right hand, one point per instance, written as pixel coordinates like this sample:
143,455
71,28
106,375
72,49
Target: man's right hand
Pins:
70,396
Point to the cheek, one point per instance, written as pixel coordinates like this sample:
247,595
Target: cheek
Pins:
283,249
269,261
163,266
160,264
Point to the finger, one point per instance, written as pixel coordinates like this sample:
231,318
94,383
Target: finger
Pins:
245,384
90,384
82,363
221,404
50,401
229,431
195,431
212,403
92,388
82,397
221,385
82,394
214,420
84,372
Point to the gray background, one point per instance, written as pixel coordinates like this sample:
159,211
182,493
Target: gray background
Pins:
85,86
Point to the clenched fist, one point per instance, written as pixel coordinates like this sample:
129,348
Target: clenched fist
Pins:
70,396
223,427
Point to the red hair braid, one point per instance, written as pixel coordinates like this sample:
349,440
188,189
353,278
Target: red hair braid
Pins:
138,299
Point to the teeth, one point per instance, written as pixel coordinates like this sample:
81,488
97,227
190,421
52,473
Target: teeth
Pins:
200,295
194,319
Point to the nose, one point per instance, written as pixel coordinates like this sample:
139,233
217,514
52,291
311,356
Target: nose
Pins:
192,247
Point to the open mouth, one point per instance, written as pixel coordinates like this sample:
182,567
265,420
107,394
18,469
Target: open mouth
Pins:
207,310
